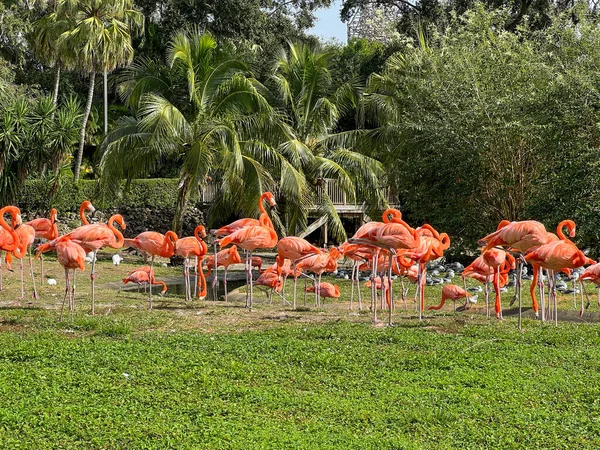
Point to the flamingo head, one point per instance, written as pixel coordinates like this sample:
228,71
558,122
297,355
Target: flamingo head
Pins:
53,215
390,214
200,230
118,218
268,196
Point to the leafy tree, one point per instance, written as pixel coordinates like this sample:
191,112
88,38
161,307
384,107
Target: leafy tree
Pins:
475,121
98,39
201,108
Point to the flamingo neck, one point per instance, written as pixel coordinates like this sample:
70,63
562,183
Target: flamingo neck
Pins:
569,224
7,227
84,219
169,242
118,235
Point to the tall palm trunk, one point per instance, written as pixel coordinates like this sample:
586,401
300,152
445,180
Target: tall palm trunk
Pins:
56,84
183,198
105,76
86,115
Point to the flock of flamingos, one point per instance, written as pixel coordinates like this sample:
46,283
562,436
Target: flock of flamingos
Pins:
388,249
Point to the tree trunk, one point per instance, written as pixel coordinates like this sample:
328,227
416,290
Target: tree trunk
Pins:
183,198
105,103
86,115
56,83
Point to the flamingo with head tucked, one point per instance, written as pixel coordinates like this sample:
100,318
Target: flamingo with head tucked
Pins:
193,246
154,244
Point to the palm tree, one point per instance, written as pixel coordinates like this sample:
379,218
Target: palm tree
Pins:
200,108
99,40
313,106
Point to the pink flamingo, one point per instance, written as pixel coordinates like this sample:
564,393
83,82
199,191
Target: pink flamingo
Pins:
326,290
154,244
318,264
9,239
144,276
71,256
45,229
294,249
250,239
225,258
193,246
26,235
451,292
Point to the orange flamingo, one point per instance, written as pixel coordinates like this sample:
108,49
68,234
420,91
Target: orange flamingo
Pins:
318,264
225,258
45,229
243,223
86,205
451,292
252,238
519,237
496,258
154,244
91,238
144,276
325,289
26,235
561,255
271,280
71,256
294,249
592,274
358,254
193,246
9,239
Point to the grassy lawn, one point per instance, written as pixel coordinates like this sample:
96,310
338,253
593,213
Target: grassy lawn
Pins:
206,375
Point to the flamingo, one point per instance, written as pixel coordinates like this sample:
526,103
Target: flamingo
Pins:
26,235
520,237
496,258
295,249
451,292
91,238
71,256
45,229
318,264
225,258
251,238
86,205
271,280
561,255
9,239
592,274
193,246
325,289
243,223
358,254
155,244
144,276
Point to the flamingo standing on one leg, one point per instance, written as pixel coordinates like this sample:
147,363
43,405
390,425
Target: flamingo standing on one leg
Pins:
250,239
26,235
495,258
193,246
9,239
71,256
451,292
225,258
45,229
155,244
243,223
295,249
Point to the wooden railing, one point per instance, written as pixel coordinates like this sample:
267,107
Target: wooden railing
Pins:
334,190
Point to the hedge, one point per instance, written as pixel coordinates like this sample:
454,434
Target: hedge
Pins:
147,193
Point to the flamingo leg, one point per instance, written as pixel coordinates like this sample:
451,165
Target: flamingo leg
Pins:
305,292
422,293
358,287
465,288
352,287
498,305
519,286
487,295
390,306
555,298
541,287
1,270
67,291
22,280
225,281
93,277
42,269
150,288
295,283
185,279
250,275
35,293
73,293
196,278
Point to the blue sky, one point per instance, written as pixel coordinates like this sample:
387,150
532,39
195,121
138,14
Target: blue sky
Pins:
328,25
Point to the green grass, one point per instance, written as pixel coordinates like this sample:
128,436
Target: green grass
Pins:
206,375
